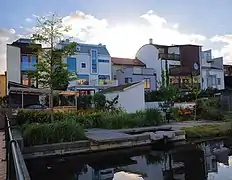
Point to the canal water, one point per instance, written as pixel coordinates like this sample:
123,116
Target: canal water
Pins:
208,161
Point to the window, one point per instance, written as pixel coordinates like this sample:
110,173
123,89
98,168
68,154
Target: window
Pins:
128,80
82,79
83,65
103,79
218,81
32,62
28,62
25,63
27,80
94,68
72,64
147,83
103,60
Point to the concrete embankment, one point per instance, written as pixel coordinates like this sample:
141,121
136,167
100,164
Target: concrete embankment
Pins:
102,140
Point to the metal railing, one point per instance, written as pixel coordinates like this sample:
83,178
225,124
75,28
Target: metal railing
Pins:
14,168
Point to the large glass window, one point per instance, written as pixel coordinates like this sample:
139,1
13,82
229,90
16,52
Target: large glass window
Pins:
25,63
27,80
28,62
147,83
32,62
72,64
94,61
82,79
103,79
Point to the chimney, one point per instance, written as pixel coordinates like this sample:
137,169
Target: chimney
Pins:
150,41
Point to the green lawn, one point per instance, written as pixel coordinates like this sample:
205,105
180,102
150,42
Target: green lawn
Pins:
208,131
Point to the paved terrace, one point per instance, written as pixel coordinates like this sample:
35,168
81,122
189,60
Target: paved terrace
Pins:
104,135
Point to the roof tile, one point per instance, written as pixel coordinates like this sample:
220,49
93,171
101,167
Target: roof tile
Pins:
127,61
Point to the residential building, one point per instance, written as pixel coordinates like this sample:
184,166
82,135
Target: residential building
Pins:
227,70
182,61
137,74
212,71
122,63
2,85
92,64
21,58
228,76
127,70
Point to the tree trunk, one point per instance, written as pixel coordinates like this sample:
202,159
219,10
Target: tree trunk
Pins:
51,104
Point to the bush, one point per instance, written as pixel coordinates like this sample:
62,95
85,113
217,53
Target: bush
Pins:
181,114
46,133
97,119
69,125
209,109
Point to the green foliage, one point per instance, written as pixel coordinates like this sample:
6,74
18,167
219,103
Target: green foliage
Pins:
99,100
51,71
168,93
207,131
47,133
209,109
101,119
37,127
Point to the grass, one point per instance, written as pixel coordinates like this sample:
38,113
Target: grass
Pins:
208,131
68,126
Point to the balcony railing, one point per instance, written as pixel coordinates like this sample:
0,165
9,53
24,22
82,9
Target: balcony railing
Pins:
166,56
107,82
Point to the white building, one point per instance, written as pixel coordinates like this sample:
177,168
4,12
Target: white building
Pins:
182,61
212,71
92,64
130,96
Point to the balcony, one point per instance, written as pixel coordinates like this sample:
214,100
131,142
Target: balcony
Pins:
165,56
107,82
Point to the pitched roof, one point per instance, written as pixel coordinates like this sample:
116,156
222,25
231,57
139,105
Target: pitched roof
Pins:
127,61
119,88
101,49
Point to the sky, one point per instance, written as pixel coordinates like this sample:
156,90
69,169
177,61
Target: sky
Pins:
125,25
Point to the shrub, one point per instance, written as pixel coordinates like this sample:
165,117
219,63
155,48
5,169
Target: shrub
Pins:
181,114
209,109
98,119
69,126
46,133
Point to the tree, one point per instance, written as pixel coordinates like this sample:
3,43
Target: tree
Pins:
51,70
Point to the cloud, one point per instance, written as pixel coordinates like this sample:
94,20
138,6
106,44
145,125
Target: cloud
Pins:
28,20
226,49
124,40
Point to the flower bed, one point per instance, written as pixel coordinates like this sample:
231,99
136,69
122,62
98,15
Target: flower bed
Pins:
182,114
37,127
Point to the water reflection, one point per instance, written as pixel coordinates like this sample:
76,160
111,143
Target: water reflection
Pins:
208,161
